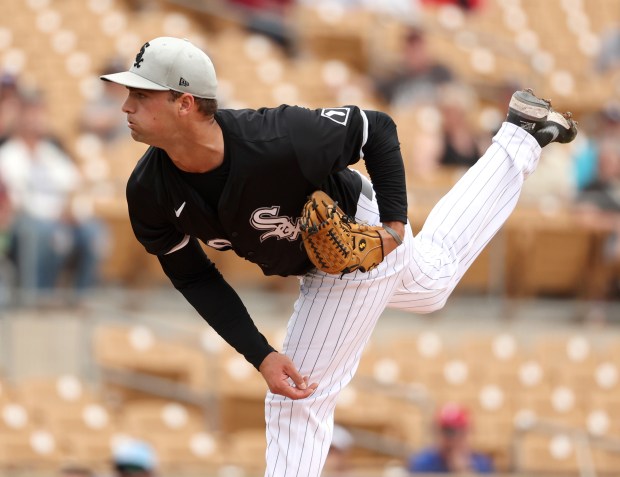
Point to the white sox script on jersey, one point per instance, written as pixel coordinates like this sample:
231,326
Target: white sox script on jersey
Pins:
278,226
334,316
266,218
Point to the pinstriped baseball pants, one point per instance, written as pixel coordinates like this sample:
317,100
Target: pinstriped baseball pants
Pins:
333,317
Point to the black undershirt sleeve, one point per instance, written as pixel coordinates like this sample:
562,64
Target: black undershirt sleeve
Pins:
384,164
196,277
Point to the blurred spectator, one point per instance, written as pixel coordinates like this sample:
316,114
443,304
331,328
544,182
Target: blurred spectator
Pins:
6,218
7,272
597,129
460,143
100,116
9,105
338,459
269,18
134,458
603,191
464,4
598,208
552,188
609,54
451,453
416,78
48,233
445,136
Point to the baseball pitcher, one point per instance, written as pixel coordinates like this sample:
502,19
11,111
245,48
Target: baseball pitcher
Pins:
274,185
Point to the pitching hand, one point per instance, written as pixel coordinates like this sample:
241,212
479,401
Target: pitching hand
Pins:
276,369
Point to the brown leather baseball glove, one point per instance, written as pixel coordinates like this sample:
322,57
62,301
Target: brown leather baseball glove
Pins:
335,243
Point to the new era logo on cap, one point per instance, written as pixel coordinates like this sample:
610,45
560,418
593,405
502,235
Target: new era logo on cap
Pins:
183,82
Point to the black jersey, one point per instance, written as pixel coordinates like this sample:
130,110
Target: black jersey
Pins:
277,157
274,158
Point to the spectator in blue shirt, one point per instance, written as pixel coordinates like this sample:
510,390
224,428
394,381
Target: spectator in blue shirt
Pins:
451,453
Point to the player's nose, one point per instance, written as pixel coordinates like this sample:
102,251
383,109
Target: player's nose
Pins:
127,106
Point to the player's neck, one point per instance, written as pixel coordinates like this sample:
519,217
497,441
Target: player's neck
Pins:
199,148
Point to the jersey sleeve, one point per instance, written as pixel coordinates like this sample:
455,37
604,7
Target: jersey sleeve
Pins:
196,277
325,140
384,163
152,230
331,139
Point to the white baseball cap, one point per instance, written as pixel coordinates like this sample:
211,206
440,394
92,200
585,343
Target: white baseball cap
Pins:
167,63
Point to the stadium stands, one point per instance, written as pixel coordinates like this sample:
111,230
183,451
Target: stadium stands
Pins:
201,405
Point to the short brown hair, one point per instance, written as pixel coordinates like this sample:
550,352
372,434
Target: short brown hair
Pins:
208,107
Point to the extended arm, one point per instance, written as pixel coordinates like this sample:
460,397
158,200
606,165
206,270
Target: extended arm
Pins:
202,285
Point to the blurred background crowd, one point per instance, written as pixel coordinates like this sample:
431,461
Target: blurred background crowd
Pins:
96,349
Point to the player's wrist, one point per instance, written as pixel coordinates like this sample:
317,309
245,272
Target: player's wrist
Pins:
396,230
265,361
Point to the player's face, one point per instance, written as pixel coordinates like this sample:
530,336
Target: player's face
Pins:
149,115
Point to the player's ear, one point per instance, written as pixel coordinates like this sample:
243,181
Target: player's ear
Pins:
186,103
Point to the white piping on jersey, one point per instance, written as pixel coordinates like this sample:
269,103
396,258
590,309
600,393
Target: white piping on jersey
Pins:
365,132
179,246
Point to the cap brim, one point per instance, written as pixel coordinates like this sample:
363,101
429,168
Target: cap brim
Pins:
132,80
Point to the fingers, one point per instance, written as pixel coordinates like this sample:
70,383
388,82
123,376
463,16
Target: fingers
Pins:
278,371
299,381
300,388
307,387
295,392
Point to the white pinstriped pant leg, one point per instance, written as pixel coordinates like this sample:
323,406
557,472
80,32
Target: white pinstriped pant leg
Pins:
466,219
332,321
325,341
333,318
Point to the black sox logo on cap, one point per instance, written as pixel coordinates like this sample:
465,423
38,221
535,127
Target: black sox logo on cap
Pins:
139,58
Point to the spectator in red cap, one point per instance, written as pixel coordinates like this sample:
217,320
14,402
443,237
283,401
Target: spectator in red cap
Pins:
451,453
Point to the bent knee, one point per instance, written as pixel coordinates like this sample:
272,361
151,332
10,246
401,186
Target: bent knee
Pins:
435,305
438,306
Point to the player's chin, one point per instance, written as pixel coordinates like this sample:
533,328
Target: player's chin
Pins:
136,136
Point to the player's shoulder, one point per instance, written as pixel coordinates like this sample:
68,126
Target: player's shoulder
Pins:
257,116
278,120
329,116
147,162
147,169
253,124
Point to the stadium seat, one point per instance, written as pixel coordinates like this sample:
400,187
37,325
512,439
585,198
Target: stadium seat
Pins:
153,417
547,454
245,449
37,450
62,392
199,451
138,349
